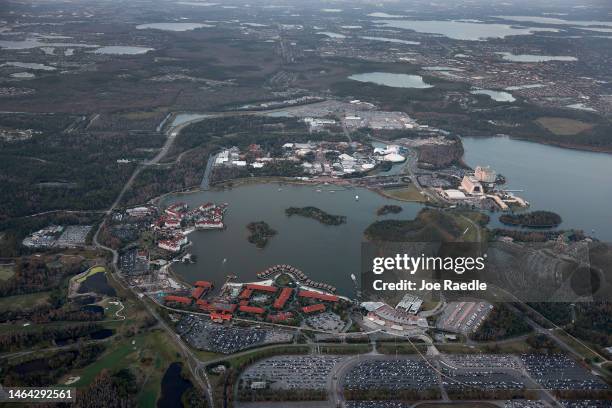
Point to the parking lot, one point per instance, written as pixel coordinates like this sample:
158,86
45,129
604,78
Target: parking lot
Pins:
487,361
484,379
377,404
586,404
391,374
327,321
73,236
559,372
203,334
291,372
463,317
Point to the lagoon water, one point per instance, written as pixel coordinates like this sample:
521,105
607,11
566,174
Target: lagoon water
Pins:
508,56
332,35
172,26
122,50
498,96
391,40
573,183
555,21
392,80
29,65
462,30
36,43
328,253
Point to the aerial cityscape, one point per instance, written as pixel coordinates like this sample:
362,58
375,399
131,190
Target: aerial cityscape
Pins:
333,203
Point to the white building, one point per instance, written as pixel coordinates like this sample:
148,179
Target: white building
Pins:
453,194
410,304
485,174
394,158
471,185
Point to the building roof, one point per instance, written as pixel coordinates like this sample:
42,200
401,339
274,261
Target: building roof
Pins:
246,293
263,288
251,309
319,307
197,292
282,298
177,299
454,194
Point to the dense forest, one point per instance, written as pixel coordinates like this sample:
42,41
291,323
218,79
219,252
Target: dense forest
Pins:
316,214
41,372
59,169
534,219
33,274
16,340
429,225
500,324
109,390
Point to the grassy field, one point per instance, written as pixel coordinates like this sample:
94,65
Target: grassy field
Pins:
148,355
410,193
23,301
90,272
518,346
563,126
6,272
583,350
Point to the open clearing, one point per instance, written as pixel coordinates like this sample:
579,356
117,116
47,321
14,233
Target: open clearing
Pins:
410,193
24,301
6,272
148,354
563,126
92,271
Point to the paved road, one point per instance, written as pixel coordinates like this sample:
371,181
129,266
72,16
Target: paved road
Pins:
198,373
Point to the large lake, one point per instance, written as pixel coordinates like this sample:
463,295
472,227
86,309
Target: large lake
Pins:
498,96
555,21
462,30
575,184
508,56
172,26
327,253
392,80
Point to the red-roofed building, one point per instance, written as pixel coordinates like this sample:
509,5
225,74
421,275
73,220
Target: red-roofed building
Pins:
280,301
319,307
280,317
244,302
246,294
197,292
203,284
251,309
317,295
202,302
175,210
262,288
220,317
177,299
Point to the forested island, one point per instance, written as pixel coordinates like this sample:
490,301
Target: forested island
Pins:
389,209
261,233
534,219
316,214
